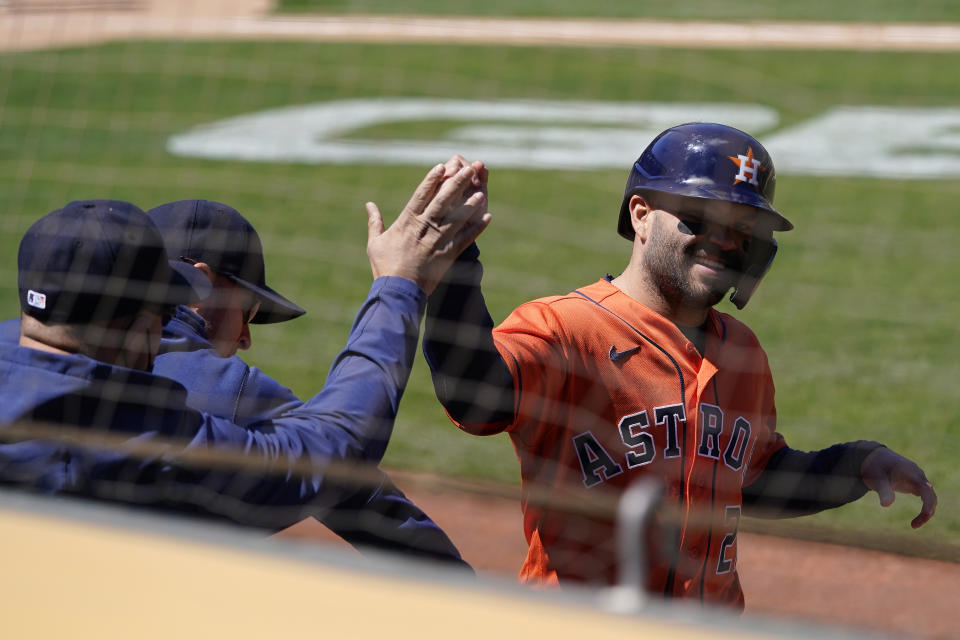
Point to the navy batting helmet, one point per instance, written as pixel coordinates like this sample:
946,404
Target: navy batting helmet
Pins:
713,162
705,160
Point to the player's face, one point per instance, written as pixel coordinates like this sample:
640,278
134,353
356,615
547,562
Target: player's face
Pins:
227,312
696,250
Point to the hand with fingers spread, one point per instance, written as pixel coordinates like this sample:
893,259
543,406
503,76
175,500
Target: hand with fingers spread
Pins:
446,213
888,473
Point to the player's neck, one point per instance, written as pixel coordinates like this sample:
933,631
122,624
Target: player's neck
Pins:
632,283
696,335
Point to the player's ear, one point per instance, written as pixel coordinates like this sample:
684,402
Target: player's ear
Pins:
640,208
205,268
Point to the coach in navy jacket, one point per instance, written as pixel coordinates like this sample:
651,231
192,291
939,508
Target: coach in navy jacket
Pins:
199,346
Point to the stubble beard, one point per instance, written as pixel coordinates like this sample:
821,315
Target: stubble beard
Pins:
668,265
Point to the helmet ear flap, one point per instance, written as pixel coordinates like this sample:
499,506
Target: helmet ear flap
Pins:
759,257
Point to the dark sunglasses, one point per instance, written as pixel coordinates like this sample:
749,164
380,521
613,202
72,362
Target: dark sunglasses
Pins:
691,226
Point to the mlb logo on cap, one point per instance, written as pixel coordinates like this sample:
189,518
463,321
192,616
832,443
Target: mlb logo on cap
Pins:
35,299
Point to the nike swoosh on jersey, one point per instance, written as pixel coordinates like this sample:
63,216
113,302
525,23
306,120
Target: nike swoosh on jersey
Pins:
617,356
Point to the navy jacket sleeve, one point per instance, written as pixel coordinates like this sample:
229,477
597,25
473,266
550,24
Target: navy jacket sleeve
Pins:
75,426
363,387
470,377
127,435
352,416
382,517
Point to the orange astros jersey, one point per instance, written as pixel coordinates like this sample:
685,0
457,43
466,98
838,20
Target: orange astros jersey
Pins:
608,392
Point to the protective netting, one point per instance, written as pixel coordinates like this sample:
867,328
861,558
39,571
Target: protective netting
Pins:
296,126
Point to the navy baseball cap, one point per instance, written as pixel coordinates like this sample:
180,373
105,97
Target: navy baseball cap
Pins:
95,260
214,233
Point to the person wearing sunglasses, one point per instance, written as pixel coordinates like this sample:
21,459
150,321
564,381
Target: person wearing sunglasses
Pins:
638,378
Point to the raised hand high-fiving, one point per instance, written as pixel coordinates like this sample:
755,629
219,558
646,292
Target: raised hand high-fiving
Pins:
445,214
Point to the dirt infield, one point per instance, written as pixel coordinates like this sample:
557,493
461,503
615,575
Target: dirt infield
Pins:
785,578
36,24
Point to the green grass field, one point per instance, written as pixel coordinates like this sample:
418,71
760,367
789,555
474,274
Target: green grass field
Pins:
814,10
859,314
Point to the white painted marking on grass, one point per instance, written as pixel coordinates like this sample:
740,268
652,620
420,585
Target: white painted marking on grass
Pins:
881,142
504,133
885,142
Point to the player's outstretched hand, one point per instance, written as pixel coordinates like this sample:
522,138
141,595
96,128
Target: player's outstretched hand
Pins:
479,182
444,215
887,472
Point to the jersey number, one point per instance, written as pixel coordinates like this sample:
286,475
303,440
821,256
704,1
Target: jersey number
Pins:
732,521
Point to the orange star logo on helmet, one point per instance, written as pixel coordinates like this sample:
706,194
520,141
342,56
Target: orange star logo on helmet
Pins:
749,168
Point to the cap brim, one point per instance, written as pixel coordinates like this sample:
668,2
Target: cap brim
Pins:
273,306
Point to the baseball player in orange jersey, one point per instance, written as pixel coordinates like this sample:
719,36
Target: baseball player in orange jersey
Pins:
639,376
